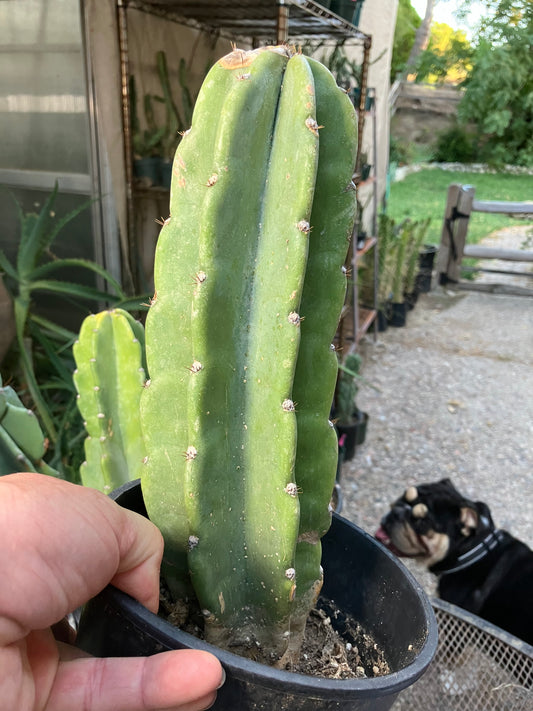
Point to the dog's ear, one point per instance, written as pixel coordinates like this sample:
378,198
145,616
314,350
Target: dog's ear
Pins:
484,516
447,485
411,494
469,519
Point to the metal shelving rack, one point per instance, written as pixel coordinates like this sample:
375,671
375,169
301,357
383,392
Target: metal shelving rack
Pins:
364,318
258,22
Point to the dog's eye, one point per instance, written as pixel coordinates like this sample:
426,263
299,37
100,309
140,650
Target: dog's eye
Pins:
420,511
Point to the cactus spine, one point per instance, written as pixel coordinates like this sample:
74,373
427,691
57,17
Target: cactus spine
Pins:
231,477
109,379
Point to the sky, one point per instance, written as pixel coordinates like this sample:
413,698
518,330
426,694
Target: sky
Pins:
443,12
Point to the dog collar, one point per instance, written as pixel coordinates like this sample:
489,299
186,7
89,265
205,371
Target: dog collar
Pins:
474,555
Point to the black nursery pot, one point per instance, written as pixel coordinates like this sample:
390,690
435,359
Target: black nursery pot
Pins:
361,576
354,434
382,320
425,264
398,315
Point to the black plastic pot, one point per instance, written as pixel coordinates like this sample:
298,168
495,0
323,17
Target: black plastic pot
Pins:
398,315
361,576
165,174
382,321
354,433
425,270
148,170
410,299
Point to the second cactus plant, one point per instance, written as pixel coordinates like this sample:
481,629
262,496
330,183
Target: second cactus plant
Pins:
240,455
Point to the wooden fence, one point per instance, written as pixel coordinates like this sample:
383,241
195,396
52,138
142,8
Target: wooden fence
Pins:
460,205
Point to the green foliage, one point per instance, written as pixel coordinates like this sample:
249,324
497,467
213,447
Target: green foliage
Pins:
456,145
447,58
407,22
42,358
499,90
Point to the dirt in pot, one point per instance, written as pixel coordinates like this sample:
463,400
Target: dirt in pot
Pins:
335,645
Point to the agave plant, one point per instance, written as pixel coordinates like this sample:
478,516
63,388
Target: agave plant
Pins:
238,454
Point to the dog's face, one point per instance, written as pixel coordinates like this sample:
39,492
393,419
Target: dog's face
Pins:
431,520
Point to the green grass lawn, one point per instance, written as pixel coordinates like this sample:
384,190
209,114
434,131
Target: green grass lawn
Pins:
423,194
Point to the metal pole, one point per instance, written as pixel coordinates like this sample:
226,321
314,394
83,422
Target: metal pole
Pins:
283,23
122,24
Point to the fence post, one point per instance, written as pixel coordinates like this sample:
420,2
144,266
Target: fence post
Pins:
454,229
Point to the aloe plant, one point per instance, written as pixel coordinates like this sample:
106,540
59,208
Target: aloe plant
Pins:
34,271
240,453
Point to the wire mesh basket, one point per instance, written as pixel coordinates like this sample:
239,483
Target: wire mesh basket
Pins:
477,667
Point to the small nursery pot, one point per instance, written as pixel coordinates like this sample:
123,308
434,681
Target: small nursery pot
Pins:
354,434
382,320
362,577
148,170
425,262
398,315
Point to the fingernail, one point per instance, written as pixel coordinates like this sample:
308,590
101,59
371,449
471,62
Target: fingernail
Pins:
222,678
210,705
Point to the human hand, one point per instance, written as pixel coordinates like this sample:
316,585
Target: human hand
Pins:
60,544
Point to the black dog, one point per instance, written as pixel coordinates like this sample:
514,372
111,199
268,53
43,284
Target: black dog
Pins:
480,568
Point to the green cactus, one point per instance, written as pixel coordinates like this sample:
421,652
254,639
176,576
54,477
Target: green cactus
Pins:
241,455
22,445
110,376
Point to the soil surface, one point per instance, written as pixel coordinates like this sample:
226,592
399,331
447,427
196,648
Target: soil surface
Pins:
329,650
452,396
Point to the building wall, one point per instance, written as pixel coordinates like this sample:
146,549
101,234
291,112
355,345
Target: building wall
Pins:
378,19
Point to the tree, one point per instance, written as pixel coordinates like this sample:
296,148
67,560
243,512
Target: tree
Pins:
407,22
447,57
422,36
498,96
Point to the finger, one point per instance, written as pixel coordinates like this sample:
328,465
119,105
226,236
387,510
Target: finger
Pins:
186,680
68,542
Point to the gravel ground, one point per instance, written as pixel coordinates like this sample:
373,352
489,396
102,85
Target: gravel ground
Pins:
452,396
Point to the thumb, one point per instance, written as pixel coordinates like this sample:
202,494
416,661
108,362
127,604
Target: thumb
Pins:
185,679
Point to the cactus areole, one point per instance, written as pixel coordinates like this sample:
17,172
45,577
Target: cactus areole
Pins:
240,454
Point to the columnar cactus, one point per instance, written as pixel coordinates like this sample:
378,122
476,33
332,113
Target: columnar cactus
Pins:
110,374
241,456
